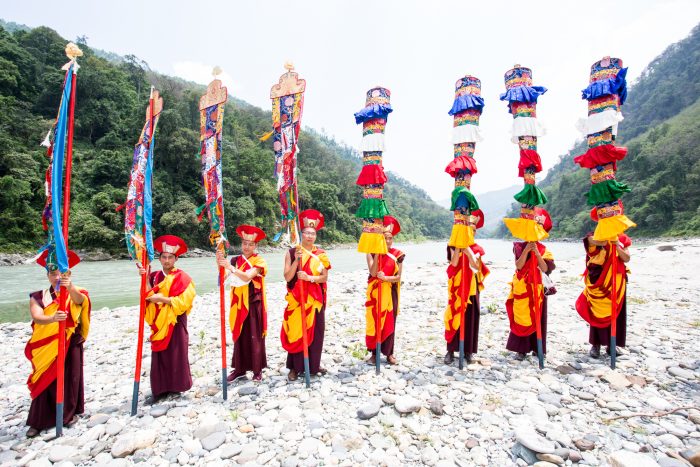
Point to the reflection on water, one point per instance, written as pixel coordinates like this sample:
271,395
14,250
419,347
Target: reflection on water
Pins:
116,283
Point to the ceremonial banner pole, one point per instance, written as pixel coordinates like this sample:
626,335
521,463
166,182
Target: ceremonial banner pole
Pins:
373,208
287,106
138,213
58,196
522,96
466,111
211,107
606,92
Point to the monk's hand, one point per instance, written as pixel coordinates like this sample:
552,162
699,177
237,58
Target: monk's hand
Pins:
381,276
221,260
156,298
298,252
65,280
141,269
302,276
59,316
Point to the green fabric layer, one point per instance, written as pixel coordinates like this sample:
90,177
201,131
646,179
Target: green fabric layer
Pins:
460,192
531,195
606,192
372,208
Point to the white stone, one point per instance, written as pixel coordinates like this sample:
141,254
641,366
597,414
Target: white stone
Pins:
129,442
630,459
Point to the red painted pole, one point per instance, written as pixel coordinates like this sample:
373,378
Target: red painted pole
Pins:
61,357
144,280
463,309
378,319
304,327
613,306
538,308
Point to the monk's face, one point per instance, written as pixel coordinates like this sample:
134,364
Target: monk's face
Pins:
54,276
389,239
248,247
308,237
167,260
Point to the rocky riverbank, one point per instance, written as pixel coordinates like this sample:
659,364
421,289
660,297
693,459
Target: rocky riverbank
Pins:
496,412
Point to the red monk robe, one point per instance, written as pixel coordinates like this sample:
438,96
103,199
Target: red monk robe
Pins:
595,302
391,292
42,352
452,319
313,263
170,364
248,319
522,302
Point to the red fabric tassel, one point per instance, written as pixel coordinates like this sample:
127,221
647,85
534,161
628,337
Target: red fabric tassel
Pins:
371,175
529,158
459,164
601,155
120,207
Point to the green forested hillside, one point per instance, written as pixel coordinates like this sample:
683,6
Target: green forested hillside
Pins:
110,110
661,129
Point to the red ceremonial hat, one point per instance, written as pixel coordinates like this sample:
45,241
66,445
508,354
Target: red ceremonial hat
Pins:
609,210
250,233
391,225
542,217
479,221
170,244
311,218
73,259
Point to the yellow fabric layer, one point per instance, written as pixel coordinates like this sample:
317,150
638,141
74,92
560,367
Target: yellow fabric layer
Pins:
452,317
526,229
598,299
610,227
373,243
44,356
168,313
462,236
387,305
242,295
521,306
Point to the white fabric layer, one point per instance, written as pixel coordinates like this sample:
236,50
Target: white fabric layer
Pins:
526,126
373,142
466,134
600,121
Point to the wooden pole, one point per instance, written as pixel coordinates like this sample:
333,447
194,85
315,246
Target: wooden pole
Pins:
378,320
613,305
463,309
538,308
222,316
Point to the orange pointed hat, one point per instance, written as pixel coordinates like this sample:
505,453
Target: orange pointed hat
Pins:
50,265
250,233
311,218
391,225
170,244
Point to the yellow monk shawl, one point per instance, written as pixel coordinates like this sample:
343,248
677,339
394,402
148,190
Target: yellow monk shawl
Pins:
42,348
475,282
525,299
313,262
178,286
390,267
240,296
595,303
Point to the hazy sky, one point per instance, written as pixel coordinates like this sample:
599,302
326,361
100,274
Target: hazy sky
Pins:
416,49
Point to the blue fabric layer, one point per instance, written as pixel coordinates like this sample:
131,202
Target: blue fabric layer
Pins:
148,198
465,102
523,94
59,150
373,111
606,87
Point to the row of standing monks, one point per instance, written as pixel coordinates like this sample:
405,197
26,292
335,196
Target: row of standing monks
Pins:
171,295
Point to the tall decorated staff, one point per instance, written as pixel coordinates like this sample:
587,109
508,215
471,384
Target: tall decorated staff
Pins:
522,97
466,110
56,214
287,106
211,108
605,94
373,207
138,213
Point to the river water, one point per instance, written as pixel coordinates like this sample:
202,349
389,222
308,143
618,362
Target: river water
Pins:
116,283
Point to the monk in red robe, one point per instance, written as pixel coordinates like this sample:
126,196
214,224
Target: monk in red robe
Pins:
168,304
595,302
389,279
248,315
476,272
306,271
42,348
526,297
